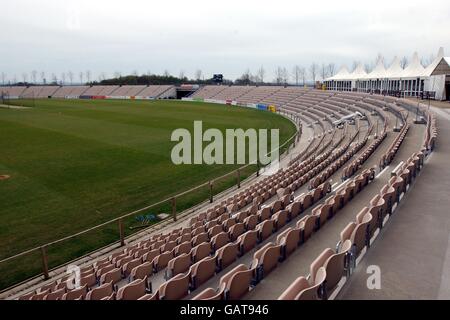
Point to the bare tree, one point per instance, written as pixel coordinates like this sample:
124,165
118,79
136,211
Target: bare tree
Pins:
313,72
368,67
355,65
34,76
246,77
24,77
54,78
181,75
296,72
324,71
198,74
63,78
70,75
88,76
260,74
303,75
427,61
3,78
103,76
378,58
403,62
43,77
279,75
81,75
166,73
284,75
149,73
331,69
117,75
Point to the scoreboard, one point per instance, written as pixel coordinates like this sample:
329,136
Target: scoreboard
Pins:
218,78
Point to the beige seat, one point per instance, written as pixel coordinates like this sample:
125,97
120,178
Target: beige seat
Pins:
219,240
161,261
55,295
227,255
251,222
175,288
265,229
105,290
236,230
288,240
280,219
178,265
132,291
202,271
201,251
150,296
141,271
126,268
114,275
184,247
307,225
75,294
334,263
265,260
248,241
236,282
209,294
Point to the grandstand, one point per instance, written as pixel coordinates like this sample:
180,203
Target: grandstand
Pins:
304,232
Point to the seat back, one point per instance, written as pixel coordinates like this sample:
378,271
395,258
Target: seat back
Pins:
202,271
132,291
105,290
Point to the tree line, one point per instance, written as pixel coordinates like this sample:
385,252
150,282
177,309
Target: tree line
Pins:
298,75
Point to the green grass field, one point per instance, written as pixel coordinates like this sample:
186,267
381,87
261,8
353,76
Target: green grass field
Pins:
76,163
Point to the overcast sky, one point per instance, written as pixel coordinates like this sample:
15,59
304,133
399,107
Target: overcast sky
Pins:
226,37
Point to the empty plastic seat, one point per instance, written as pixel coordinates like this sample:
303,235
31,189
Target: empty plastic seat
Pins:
202,271
265,260
178,265
105,290
175,288
161,261
265,229
236,282
288,240
132,291
209,294
236,230
113,276
301,289
248,241
227,255
201,251
55,295
75,294
335,265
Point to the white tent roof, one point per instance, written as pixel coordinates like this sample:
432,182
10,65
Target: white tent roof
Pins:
447,59
379,72
341,75
429,70
414,69
395,70
359,72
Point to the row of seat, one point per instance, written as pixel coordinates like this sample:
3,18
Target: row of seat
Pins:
237,282
333,265
358,162
389,155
